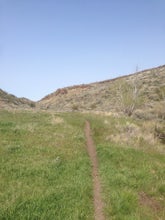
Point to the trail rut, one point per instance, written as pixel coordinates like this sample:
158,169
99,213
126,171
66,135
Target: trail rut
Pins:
98,203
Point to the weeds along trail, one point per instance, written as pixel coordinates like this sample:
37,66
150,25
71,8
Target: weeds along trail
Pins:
98,203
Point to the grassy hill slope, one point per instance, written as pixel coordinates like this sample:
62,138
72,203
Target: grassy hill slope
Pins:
116,95
9,101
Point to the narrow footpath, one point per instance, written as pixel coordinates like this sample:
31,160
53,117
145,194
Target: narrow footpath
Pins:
98,203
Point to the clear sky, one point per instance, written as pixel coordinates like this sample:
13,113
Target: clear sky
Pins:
49,44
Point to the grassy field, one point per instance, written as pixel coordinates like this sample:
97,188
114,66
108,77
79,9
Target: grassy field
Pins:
45,172
132,169
44,168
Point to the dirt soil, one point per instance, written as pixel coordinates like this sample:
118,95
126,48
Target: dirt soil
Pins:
146,200
98,203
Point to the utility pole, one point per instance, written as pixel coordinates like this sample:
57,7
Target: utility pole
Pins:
137,68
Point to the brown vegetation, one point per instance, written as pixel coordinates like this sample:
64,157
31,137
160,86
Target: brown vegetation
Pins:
9,101
140,94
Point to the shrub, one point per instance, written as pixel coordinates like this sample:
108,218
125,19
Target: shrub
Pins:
160,133
32,105
75,107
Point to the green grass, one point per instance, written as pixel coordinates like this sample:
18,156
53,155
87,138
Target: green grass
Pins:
125,174
44,168
127,171
45,172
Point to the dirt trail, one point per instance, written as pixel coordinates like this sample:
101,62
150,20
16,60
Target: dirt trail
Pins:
98,203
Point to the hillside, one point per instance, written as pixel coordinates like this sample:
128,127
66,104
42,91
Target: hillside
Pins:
141,94
144,90
9,101
82,165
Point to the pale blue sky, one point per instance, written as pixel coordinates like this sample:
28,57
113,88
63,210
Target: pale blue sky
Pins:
48,44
